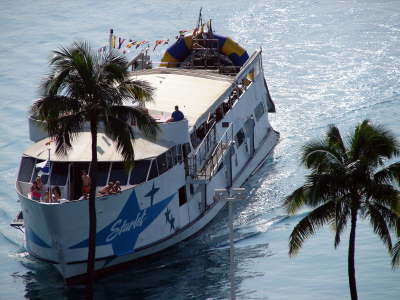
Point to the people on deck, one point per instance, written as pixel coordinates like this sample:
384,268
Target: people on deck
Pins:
85,183
56,194
108,189
46,197
117,187
36,191
177,115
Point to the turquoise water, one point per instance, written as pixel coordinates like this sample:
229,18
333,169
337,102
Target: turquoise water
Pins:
325,62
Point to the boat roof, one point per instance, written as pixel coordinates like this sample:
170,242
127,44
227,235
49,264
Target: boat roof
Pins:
106,149
195,91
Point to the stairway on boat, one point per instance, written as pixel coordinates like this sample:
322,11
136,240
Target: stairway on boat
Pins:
209,154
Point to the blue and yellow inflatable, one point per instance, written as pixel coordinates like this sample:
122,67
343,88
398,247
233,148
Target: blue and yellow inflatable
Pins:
183,47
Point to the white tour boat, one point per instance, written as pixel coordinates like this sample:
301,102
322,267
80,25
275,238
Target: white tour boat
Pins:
169,195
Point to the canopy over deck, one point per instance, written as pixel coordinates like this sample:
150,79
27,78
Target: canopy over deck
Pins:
195,92
106,149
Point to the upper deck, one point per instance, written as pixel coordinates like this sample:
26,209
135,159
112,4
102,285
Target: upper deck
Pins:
196,92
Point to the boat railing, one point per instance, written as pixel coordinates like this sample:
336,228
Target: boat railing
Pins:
204,149
203,164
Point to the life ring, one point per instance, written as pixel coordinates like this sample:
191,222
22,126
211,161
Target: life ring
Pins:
183,47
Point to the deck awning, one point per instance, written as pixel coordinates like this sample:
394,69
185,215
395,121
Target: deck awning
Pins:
106,149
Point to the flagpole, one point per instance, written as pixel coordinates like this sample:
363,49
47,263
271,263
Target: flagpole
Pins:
110,39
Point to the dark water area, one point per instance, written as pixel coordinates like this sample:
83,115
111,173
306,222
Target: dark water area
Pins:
325,62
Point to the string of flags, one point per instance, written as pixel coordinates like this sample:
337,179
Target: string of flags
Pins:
125,45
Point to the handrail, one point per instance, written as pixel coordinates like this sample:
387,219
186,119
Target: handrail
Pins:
207,165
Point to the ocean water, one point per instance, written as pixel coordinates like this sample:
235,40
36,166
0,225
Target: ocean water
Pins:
325,62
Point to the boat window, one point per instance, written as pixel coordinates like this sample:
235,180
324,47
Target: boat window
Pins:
171,157
102,173
182,195
154,170
162,163
25,171
259,111
43,177
240,137
175,154
194,139
139,172
119,172
186,149
59,174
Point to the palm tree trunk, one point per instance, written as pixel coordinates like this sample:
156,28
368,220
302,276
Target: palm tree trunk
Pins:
351,268
92,207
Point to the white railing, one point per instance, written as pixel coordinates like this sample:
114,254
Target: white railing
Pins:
204,163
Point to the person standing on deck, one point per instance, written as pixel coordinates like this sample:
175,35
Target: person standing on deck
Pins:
85,183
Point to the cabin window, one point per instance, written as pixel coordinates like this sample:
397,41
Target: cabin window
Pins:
170,159
59,174
182,195
178,153
186,150
239,137
162,163
102,173
194,139
119,172
43,177
259,111
154,170
174,156
25,171
139,172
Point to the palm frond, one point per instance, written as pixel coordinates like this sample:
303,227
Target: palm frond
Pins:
139,116
380,218
53,107
381,193
65,129
389,174
308,226
396,255
319,155
372,143
140,90
122,134
334,139
326,186
342,213
296,200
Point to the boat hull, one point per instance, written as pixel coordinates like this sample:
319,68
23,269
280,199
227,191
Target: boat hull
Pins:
72,267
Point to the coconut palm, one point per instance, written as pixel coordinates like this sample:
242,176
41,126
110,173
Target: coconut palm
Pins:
86,87
349,179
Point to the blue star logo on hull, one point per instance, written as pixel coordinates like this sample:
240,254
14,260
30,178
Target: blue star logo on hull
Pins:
151,194
124,231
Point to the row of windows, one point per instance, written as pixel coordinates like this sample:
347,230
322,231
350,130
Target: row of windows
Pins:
143,169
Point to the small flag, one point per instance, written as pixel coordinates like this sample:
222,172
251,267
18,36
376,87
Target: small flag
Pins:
44,167
121,41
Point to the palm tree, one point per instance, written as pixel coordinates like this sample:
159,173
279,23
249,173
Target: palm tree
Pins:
86,87
348,180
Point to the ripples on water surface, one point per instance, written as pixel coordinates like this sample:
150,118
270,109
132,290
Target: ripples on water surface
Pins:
325,62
